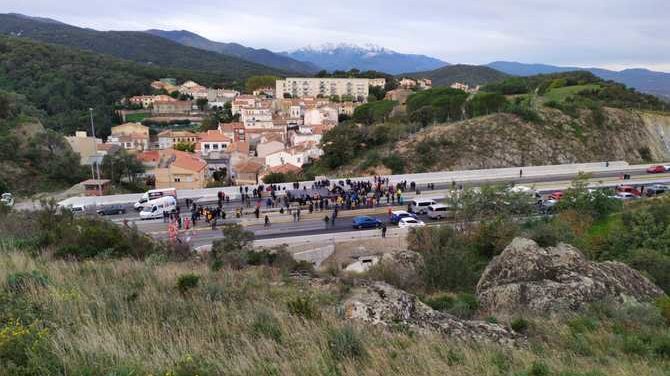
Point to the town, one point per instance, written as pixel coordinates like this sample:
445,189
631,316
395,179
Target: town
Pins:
272,131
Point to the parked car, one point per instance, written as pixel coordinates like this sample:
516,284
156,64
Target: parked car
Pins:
625,196
548,206
438,211
656,169
656,189
397,215
363,221
409,222
111,210
7,199
628,189
556,196
420,205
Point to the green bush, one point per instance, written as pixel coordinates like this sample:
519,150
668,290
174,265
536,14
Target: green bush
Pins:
539,369
664,305
634,345
519,325
187,282
582,325
304,307
345,343
21,281
266,325
464,306
441,302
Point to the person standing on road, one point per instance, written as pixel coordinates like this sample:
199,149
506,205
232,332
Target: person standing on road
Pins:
267,221
213,224
383,231
298,215
521,173
326,220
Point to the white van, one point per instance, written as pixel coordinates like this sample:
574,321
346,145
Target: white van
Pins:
155,208
438,211
420,205
154,194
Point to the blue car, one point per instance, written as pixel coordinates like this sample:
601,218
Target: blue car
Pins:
364,221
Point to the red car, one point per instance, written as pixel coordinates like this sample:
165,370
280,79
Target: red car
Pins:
629,189
556,196
656,169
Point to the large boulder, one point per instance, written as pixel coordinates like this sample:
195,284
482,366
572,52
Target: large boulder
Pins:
381,304
528,278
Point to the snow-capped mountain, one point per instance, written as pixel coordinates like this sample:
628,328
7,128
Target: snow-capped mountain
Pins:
344,56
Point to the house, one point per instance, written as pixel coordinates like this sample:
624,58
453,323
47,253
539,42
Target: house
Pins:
96,187
285,169
312,134
465,87
424,83
257,117
400,96
172,107
168,139
380,82
407,83
86,147
149,158
234,131
320,116
247,172
243,101
263,149
266,91
180,170
213,141
130,136
297,155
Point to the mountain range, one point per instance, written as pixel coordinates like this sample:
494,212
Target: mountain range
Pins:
259,56
136,46
644,80
344,57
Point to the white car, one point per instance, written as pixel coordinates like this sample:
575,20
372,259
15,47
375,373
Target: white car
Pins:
409,222
624,196
7,199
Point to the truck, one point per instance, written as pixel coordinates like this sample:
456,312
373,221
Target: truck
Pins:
153,209
154,194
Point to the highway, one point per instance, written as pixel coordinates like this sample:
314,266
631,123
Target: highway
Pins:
283,227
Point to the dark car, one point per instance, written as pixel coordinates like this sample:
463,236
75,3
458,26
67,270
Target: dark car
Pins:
397,215
111,210
656,189
364,221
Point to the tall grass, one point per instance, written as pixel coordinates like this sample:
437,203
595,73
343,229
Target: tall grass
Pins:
128,317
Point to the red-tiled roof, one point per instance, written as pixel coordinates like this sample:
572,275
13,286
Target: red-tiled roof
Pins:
248,167
285,169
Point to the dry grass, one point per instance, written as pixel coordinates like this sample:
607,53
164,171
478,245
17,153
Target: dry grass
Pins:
110,317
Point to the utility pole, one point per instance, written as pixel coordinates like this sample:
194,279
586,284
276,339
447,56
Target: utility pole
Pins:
90,112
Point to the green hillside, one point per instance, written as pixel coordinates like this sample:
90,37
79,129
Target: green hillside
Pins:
64,82
472,75
136,46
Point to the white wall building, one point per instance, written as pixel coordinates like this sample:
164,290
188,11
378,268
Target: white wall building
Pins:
320,116
257,117
298,87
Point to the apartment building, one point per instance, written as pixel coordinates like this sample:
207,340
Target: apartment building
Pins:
298,87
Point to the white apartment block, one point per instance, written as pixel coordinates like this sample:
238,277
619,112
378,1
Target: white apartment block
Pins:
299,87
381,82
257,117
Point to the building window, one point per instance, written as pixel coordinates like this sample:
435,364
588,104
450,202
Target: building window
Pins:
177,180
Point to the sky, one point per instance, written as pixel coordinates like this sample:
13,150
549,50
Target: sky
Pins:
612,34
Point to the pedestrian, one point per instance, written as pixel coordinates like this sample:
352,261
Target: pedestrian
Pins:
332,219
521,173
267,221
214,224
607,164
383,231
295,216
326,220
298,214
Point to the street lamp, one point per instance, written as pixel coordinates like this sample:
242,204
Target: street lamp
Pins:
97,165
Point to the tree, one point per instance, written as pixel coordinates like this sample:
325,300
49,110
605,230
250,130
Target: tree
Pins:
340,145
597,204
188,147
260,82
423,116
233,248
201,103
121,165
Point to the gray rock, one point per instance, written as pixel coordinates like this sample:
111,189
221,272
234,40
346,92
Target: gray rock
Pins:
381,304
528,278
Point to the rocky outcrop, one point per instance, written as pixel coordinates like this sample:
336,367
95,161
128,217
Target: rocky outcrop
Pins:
528,278
381,304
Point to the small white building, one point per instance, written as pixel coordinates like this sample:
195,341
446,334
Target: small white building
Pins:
320,116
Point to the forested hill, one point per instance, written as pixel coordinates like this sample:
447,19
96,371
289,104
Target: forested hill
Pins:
140,47
472,75
65,82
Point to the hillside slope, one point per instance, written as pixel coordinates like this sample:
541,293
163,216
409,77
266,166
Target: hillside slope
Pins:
136,46
505,140
644,80
65,82
259,56
472,75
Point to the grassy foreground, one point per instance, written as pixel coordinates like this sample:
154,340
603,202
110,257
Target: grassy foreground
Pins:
124,317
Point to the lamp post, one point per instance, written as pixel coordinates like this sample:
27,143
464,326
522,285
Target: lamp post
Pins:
97,165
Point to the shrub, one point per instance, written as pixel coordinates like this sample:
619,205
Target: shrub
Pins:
464,306
304,307
21,281
187,282
539,369
582,325
519,325
664,305
441,302
345,343
265,324
548,234
633,344
661,346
